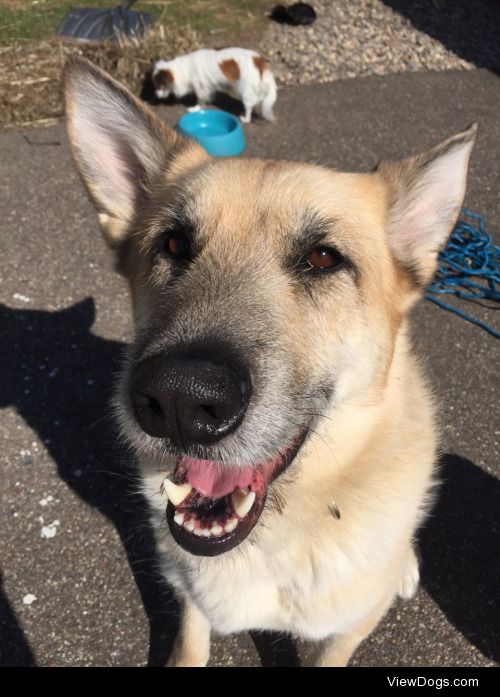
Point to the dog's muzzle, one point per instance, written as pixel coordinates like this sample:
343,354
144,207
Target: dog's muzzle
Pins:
194,399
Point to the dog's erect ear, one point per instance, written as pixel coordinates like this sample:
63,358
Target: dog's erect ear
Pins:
120,146
425,196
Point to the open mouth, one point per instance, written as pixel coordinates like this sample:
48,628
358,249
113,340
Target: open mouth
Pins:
212,510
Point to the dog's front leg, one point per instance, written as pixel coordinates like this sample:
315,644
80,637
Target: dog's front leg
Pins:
249,105
204,95
338,649
192,645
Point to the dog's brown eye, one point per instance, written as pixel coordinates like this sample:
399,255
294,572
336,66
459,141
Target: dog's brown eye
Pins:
323,258
177,246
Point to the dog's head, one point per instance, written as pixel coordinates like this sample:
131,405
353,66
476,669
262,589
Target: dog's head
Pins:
267,296
163,79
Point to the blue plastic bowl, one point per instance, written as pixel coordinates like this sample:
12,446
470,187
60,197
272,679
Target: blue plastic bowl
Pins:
220,133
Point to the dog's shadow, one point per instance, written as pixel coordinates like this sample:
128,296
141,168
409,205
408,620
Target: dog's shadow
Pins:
71,373
460,547
14,648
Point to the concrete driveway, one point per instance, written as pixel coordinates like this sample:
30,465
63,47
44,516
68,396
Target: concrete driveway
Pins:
79,582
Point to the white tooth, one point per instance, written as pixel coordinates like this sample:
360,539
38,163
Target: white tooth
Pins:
242,501
179,518
176,493
198,532
230,525
189,525
216,529
205,532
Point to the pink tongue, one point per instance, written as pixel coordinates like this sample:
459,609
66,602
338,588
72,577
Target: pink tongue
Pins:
212,481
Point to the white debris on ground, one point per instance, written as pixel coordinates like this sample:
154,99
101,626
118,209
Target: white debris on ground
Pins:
22,298
50,530
29,598
46,500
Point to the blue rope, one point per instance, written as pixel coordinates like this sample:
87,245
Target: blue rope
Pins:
469,267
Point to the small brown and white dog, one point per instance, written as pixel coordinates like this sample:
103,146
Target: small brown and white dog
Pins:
284,432
238,71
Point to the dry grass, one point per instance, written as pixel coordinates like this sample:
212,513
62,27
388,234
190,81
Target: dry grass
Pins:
30,75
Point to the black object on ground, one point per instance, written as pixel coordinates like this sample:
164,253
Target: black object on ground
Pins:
96,24
296,14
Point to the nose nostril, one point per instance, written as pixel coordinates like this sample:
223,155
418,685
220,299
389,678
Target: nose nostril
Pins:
149,412
154,406
146,402
210,410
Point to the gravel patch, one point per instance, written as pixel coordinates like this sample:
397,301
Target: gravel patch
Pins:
353,38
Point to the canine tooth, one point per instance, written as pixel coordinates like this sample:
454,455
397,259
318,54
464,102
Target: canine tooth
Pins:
216,529
198,532
176,493
189,525
179,518
230,525
242,501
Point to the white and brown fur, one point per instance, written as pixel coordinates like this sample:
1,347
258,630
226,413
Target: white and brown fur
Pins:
239,71
333,352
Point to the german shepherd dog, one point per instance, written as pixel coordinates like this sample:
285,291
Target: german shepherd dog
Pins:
284,432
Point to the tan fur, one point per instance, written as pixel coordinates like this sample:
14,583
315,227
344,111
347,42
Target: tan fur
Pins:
230,69
327,560
260,63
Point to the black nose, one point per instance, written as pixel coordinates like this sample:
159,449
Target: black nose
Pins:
188,400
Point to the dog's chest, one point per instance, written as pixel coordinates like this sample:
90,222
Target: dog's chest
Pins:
285,593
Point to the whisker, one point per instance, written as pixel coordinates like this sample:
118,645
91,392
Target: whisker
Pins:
325,441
